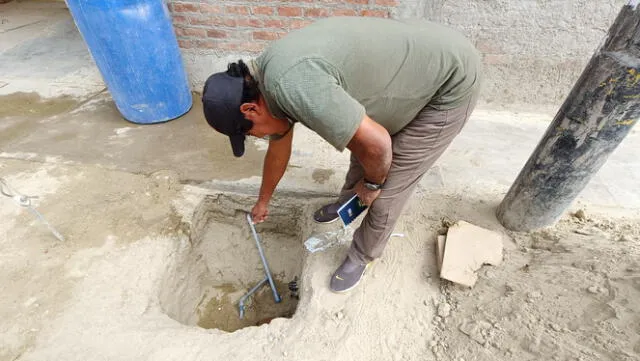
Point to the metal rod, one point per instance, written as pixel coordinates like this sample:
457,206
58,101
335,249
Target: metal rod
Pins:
248,294
276,296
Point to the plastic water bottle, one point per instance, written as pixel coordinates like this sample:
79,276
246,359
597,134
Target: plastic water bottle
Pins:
324,241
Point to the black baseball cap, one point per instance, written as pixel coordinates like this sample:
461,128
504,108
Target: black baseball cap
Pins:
221,101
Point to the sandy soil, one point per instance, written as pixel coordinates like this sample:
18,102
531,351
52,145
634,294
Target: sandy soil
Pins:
566,293
147,261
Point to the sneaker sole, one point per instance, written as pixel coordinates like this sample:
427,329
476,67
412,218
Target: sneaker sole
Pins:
326,222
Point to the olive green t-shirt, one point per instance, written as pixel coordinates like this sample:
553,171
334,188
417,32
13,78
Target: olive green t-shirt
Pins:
331,73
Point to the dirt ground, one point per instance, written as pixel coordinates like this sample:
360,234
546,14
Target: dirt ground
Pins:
147,259
565,293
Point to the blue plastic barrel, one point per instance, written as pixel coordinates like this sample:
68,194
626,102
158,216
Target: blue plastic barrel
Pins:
135,48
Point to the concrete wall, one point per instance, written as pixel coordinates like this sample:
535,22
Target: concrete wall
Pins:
533,50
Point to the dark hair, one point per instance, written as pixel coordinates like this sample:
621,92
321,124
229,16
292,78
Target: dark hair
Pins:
250,91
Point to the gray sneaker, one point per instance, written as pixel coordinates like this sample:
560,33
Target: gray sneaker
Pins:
347,276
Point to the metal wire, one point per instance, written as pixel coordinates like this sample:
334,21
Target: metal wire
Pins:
25,202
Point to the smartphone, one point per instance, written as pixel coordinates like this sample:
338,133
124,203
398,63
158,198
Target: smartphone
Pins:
349,211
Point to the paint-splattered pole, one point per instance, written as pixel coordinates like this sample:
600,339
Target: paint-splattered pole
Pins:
599,112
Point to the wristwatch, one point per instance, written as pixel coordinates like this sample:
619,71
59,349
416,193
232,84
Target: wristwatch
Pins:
372,186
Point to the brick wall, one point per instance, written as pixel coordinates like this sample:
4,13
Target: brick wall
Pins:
533,50
247,26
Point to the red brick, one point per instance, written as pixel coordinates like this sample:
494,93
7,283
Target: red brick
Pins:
262,10
210,9
246,35
240,10
201,33
275,23
179,19
249,22
207,44
185,8
230,45
362,2
297,24
267,35
224,22
386,2
212,21
316,13
186,44
344,12
215,33
375,13
289,11
199,21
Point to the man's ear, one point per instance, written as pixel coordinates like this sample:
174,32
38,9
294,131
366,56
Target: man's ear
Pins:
250,110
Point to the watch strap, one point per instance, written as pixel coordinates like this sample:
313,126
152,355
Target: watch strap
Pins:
372,185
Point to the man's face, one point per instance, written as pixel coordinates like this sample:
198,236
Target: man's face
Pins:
264,124
260,128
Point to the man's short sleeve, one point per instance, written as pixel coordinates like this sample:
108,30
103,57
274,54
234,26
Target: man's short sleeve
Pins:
310,93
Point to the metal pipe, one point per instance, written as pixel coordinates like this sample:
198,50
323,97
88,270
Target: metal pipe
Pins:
248,294
276,296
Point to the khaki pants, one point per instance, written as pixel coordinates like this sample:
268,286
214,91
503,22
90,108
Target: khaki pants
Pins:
415,149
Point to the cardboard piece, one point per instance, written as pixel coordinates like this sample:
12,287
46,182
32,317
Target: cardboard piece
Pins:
467,248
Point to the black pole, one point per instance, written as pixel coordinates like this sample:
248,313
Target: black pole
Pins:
599,112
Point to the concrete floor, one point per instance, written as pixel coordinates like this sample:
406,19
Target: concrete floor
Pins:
42,51
43,55
488,154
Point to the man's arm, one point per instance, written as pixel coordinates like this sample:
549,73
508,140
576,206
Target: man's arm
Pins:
371,145
275,164
315,97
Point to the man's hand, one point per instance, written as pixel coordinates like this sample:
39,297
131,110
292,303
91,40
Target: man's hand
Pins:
260,212
366,195
275,164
